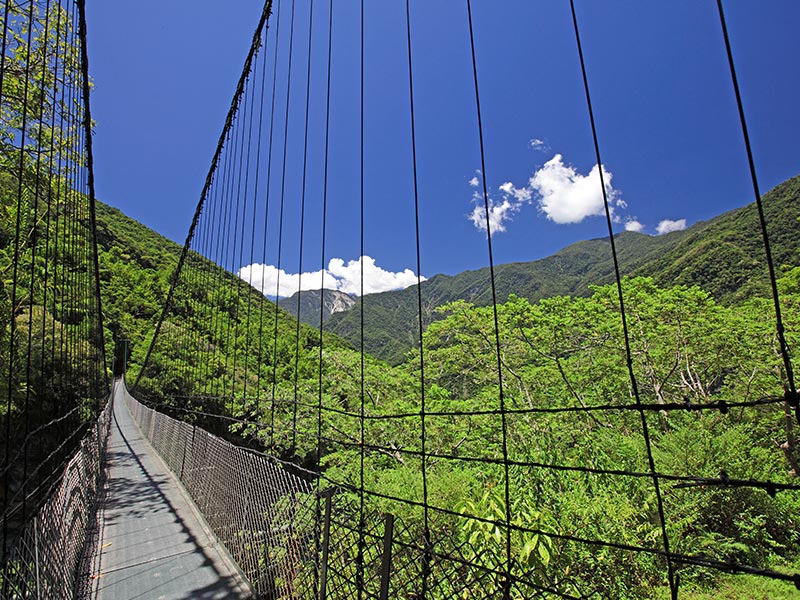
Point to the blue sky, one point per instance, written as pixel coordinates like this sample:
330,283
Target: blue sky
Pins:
165,72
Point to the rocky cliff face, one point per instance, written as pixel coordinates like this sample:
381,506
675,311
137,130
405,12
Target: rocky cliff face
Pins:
333,301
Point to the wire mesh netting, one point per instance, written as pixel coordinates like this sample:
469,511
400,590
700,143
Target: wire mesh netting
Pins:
46,558
52,353
265,516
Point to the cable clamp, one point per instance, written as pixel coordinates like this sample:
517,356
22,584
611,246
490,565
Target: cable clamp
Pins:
771,489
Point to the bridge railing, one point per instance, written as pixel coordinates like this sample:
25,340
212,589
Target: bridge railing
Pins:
292,542
265,516
47,557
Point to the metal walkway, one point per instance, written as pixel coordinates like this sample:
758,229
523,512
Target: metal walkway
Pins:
151,541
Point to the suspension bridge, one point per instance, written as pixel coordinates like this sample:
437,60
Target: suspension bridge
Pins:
235,452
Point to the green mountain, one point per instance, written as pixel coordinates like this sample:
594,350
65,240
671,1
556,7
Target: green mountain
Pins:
135,266
273,397
723,255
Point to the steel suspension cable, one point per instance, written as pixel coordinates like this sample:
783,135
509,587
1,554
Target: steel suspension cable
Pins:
218,208
209,179
229,223
220,190
234,233
362,450
244,188
32,282
68,239
267,186
792,397
254,216
320,355
302,228
51,165
202,237
280,219
238,264
12,341
60,221
503,418
55,273
193,279
423,460
222,185
87,124
620,296
220,222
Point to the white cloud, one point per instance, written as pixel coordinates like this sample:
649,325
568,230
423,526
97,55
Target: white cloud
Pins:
668,226
376,279
566,196
519,194
537,144
498,214
474,182
633,225
277,282
345,277
562,193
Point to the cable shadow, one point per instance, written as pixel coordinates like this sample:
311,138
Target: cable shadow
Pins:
139,495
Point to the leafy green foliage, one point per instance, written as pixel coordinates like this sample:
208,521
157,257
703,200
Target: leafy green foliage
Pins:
485,538
217,353
687,349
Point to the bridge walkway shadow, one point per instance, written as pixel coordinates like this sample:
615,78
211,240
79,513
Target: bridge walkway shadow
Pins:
151,542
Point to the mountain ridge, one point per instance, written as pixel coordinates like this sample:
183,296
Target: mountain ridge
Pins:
723,255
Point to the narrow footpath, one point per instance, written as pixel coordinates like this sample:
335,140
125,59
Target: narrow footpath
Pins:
151,542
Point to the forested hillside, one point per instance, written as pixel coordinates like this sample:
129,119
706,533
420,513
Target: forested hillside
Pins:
709,358
135,267
222,316
723,255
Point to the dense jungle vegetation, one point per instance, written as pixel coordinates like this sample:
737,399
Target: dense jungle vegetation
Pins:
217,354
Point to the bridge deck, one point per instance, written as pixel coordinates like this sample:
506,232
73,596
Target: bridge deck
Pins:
151,542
